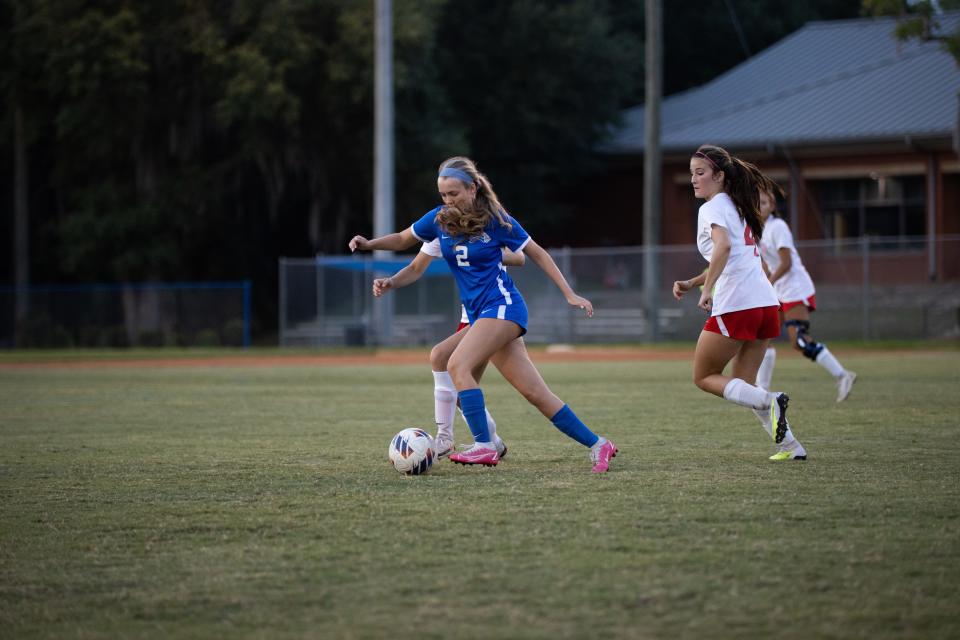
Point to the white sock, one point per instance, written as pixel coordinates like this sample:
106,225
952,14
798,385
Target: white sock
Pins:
746,395
492,426
826,360
763,415
765,373
789,441
444,403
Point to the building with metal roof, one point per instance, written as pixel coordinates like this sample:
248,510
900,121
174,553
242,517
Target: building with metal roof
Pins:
829,83
861,129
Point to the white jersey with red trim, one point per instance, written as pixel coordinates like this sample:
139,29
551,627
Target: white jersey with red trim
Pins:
432,249
796,284
742,284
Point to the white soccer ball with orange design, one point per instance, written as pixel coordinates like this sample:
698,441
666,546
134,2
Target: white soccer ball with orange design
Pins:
412,451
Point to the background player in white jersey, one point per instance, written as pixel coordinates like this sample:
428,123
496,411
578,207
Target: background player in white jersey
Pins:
797,297
473,227
444,391
736,292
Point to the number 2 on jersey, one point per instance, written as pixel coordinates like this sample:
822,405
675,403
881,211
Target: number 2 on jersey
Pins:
461,250
749,241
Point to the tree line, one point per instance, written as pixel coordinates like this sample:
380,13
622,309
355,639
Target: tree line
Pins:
202,139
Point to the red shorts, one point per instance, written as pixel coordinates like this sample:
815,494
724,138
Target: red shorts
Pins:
809,303
759,323
462,326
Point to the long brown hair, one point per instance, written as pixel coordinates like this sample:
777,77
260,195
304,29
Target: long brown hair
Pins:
743,182
486,204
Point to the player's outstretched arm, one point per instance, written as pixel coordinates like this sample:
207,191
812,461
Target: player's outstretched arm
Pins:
513,258
680,287
543,260
406,276
786,263
392,242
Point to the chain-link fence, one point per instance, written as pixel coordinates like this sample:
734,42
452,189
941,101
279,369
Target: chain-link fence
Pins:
870,288
126,315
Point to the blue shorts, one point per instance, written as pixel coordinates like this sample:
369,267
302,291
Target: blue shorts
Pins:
516,313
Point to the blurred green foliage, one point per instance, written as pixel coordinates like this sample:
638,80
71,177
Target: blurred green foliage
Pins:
919,20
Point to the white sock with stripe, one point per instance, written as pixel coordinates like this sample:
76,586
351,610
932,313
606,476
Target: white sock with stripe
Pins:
826,360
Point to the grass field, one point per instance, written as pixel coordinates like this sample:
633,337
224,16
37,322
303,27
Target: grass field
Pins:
253,502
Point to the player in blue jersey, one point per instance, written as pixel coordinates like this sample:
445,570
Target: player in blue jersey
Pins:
444,391
473,227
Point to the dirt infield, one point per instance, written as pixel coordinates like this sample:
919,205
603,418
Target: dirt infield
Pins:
380,357
376,358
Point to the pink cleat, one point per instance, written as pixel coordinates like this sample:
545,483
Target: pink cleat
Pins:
601,456
476,455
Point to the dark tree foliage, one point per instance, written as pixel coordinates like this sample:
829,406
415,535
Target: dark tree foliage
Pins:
203,139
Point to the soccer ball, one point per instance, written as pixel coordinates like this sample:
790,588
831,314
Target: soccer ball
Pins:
412,451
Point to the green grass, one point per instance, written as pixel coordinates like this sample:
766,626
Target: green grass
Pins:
46,356
258,503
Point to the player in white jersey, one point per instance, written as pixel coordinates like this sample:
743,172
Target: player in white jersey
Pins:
473,227
797,297
741,301
444,391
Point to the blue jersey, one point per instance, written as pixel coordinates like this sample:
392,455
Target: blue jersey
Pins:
477,262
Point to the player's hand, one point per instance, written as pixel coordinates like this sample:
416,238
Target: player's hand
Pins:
358,242
583,303
706,301
381,286
680,287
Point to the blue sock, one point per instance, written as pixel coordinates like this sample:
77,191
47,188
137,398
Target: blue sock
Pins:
568,422
475,411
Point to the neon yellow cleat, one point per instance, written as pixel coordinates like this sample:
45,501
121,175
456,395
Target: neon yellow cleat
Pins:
796,453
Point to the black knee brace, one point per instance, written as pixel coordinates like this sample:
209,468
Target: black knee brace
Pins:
810,347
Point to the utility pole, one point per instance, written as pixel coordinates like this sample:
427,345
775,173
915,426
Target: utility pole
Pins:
383,218
651,165
21,227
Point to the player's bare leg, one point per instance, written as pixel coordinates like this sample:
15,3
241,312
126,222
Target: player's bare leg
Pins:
713,353
486,337
445,396
515,365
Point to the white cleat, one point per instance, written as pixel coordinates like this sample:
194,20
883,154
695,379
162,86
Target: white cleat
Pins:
443,446
845,385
